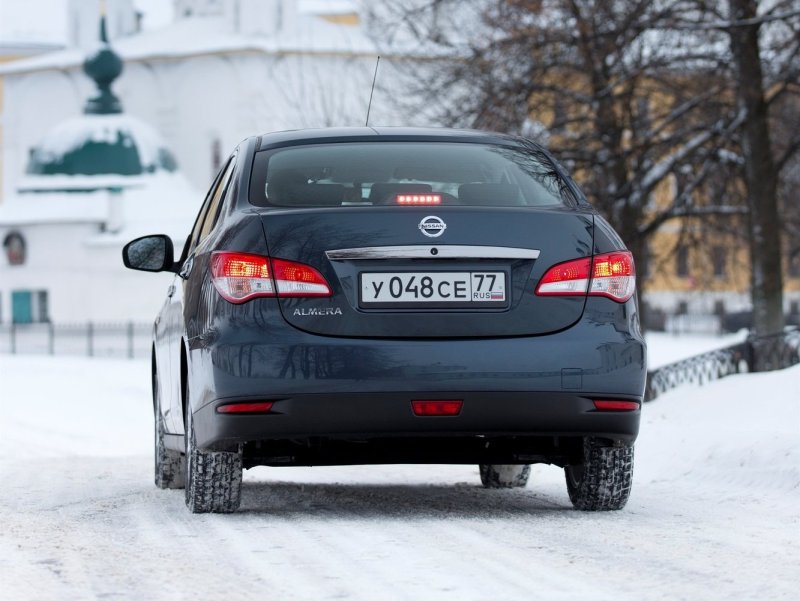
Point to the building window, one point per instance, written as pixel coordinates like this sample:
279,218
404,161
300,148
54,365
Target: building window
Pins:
719,308
682,261
29,306
643,267
794,264
794,308
14,245
559,112
719,258
643,112
683,308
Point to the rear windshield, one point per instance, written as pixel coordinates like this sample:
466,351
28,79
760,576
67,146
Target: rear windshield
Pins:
405,173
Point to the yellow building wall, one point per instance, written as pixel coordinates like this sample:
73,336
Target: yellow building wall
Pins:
342,19
693,232
699,240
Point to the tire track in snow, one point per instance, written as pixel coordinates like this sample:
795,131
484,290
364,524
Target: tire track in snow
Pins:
417,536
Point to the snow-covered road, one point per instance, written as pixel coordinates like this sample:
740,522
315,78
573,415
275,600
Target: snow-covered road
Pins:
714,513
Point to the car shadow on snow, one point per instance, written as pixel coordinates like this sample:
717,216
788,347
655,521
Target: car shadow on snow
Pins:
382,501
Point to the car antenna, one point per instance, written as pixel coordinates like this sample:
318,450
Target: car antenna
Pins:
372,90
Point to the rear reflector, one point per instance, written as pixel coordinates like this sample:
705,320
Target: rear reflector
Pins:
239,408
612,275
239,277
436,408
419,199
616,405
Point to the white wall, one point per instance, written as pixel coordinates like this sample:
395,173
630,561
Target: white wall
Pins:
34,104
83,21
85,282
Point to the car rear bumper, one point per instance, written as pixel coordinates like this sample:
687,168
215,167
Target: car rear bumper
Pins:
365,416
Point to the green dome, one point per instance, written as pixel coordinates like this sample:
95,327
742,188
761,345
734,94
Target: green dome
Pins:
103,141
104,144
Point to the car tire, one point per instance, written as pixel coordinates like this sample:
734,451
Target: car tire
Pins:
603,481
504,476
170,466
213,478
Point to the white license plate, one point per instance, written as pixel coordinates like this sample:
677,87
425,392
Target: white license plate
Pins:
434,287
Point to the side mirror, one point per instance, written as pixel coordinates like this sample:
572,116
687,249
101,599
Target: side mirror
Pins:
149,253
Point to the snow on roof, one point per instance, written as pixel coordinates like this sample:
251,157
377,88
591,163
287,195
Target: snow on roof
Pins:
207,35
152,203
74,134
31,184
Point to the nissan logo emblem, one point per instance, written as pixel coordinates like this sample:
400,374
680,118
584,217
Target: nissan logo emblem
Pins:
432,226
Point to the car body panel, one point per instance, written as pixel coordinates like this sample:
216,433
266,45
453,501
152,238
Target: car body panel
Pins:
519,377
306,236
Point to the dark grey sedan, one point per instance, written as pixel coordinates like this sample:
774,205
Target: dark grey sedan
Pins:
383,295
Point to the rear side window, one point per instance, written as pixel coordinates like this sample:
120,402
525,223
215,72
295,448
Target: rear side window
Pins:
405,173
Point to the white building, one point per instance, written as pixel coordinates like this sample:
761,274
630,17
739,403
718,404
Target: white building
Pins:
224,70
93,182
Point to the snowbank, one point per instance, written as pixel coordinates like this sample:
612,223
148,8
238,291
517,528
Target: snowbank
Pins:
668,348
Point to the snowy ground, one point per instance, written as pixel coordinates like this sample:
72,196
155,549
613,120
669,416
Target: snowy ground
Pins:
714,514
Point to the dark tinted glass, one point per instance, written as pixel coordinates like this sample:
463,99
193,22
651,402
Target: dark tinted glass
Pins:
147,254
388,173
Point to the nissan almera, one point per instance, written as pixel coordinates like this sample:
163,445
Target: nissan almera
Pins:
384,295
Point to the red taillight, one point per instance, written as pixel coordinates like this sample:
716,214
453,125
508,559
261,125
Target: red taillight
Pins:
418,199
239,408
566,279
611,274
614,276
296,279
239,277
606,405
436,408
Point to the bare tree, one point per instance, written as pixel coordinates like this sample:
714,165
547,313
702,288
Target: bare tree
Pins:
760,172
633,94
763,42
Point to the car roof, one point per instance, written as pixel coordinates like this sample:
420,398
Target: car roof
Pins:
385,134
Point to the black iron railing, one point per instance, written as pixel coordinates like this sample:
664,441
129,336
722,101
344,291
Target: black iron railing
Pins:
764,353
89,339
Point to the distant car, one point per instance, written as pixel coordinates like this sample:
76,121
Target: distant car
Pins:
384,295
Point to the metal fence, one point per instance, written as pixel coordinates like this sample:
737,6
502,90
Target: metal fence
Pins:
765,353
88,339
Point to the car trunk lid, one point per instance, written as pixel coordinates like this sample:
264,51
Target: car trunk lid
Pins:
422,272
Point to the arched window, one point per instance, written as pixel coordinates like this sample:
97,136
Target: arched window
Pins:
682,261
